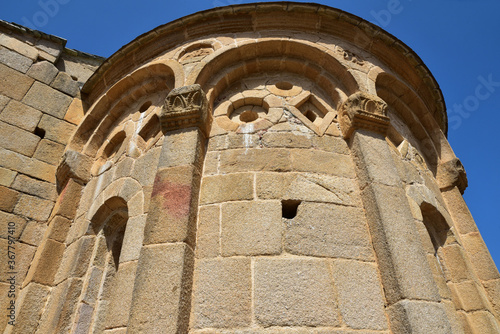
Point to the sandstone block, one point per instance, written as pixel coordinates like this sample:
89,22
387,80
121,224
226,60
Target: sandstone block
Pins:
33,233
483,322
493,291
121,296
144,165
76,259
25,165
331,144
14,60
4,100
229,187
75,165
361,300
232,141
132,240
13,84
7,176
21,115
34,187
83,318
8,199
46,262
294,292
49,151
329,230
316,161
55,129
65,204
208,234
24,255
162,290
18,140
251,228
480,257
123,168
34,207
222,293
92,286
76,111
211,164
43,71
287,139
470,296
458,210
419,317
19,46
59,228
182,147
30,306
244,160
456,268
48,100
66,84
19,224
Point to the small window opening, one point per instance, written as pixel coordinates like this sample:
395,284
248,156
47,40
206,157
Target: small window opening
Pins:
151,129
248,116
289,208
39,132
145,106
310,115
283,85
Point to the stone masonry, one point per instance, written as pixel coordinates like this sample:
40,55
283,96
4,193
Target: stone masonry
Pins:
262,168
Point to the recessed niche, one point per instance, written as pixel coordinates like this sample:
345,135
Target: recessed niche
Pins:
145,106
248,116
311,115
289,208
39,132
283,85
150,130
114,145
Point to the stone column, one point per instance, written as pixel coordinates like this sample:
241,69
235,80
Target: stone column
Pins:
411,293
162,291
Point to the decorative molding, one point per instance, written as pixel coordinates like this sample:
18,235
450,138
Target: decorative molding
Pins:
452,173
350,56
73,165
363,111
185,107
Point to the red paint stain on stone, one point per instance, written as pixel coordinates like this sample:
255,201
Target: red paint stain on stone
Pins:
175,198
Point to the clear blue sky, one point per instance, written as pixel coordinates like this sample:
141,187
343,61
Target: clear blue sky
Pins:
457,39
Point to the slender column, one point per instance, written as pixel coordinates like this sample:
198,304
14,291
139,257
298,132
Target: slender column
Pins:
410,290
162,291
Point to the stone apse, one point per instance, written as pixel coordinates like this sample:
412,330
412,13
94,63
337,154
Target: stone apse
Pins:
260,168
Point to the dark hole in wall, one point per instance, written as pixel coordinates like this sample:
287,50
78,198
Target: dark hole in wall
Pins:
39,132
289,208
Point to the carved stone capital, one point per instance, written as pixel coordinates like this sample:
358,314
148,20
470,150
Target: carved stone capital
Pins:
452,173
73,165
363,111
185,107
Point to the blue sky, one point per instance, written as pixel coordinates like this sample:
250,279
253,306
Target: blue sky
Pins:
457,39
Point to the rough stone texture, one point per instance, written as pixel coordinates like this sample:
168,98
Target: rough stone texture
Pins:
208,232
132,241
34,187
43,71
223,188
181,147
8,199
361,300
20,46
7,176
296,292
121,296
33,233
13,84
222,295
251,228
480,257
329,230
244,160
57,130
65,84
18,140
33,299
21,115
14,60
47,99
34,207
49,151
418,317
19,224
75,112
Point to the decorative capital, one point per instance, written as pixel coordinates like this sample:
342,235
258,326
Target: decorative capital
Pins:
185,107
363,111
452,173
73,165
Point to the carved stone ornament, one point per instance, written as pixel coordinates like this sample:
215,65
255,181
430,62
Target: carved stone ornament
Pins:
73,165
185,107
452,173
363,111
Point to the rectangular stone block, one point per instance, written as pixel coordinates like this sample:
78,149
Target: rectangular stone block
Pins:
30,305
287,139
251,228
13,84
4,100
64,83
229,187
47,99
43,71
329,230
34,207
21,115
361,299
211,164
483,322
35,187
418,317
75,112
232,141
83,318
294,292
459,211
46,262
25,165
162,291
182,147
49,152
14,60
493,291
222,293
174,199
208,232
23,256
308,187
132,240
8,199
245,160
316,161
33,233
19,46
144,165
455,267
331,144
470,296
18,140
56,130
480,257
76,259
7,176
19,224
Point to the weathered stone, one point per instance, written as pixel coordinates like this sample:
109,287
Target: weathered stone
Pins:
229,187
83,318
34,207
450,174
66,84
361,300
316,161
162,290
49,151
14,60
483,322
470,296
47,99
4,100
23,256
19,46
493,291
121,297
76,259
286,139
8,199
55,129
244,160
455,267
34,187
76,112
222,293
208,232
74,165
31,301
251,228
132,240
7,176
21,115
211,164
43,71
480,257
33,233
182,147
329,230
331,144
18,226
459,212
46,262
18,140
13,84
64,205
294,292
144,165
418,317
59,228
